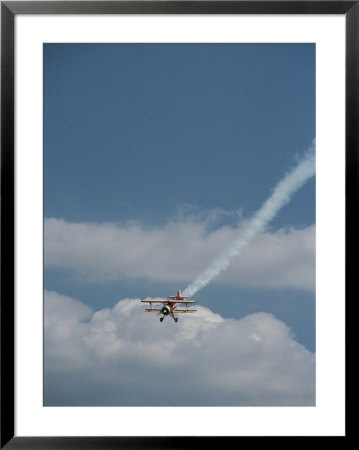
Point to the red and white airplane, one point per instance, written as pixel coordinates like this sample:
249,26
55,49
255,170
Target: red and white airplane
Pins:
171,306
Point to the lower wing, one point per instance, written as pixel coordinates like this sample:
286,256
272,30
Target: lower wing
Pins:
175,311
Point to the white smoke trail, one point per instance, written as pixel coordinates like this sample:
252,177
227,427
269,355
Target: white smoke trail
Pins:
281,195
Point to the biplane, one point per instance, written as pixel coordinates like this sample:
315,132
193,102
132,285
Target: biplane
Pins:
170,307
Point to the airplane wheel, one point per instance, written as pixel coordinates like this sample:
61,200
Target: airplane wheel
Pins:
161,319
176,319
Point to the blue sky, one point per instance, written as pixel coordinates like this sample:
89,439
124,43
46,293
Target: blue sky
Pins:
154,155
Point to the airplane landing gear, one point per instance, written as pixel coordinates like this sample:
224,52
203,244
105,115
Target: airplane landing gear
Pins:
161,319
176,319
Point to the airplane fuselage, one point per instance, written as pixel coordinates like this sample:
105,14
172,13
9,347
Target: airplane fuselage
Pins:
167,309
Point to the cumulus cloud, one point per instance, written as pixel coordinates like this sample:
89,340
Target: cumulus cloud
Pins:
122,356
178,251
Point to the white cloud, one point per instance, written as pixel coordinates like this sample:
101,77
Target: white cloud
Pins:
178,251
124,356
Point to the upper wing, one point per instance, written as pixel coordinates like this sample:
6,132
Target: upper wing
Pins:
183,301
155,301
168,301
175,311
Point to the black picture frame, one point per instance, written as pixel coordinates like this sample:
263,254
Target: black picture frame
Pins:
9,9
